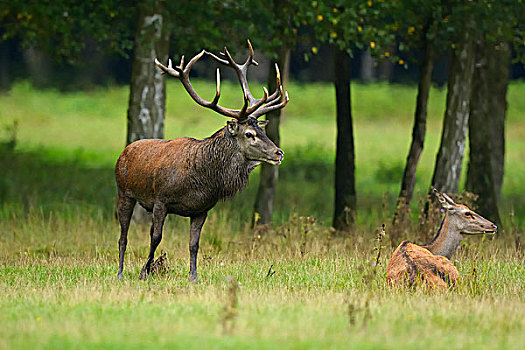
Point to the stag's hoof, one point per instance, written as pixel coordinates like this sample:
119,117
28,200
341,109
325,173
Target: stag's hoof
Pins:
119,276
194,279
143,275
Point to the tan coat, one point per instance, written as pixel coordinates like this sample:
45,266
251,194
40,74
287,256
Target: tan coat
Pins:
412,264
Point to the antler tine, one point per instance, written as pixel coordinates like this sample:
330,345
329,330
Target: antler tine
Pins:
169,69
259,102
271,107
250,59
190,64
240,70
218,91
278,72
217,58
273,101
276,95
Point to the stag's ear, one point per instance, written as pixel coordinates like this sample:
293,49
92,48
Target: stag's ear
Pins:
446,202
262,123
233,127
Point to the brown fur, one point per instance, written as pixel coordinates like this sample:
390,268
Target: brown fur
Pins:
411,264
184,173
187,177
429,264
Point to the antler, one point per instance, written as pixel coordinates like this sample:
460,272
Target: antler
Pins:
252,106
274,103
271,103
183,74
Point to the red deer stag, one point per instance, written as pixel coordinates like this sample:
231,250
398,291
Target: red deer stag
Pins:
430,263
188,177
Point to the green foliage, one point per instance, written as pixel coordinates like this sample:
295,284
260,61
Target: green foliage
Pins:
62,27
443,22
269,25
349,25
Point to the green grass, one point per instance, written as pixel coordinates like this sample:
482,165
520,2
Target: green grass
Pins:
73,132
59,296
58,235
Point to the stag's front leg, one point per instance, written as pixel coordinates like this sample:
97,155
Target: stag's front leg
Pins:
159,215
195,233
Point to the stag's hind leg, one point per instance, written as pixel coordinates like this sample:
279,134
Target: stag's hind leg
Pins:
159,215
195,233
125,207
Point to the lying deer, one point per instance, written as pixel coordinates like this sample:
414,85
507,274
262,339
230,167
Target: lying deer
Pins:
188,177
430,263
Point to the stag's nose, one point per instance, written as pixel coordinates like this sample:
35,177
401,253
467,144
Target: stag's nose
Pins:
494,227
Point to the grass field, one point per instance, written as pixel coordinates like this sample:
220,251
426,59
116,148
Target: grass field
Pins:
58,236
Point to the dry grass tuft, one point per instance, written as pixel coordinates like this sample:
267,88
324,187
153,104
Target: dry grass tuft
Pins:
160,265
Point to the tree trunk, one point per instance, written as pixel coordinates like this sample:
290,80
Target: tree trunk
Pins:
416,147
345,197
38,66
449,159
5,80
367,67
147,98
487,126
420,125
270,173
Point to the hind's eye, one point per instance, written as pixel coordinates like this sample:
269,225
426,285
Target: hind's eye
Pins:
249,135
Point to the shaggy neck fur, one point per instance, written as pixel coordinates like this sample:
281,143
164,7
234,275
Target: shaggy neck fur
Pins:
221,165
447,239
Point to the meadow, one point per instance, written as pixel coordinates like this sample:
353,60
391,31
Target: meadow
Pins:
297,286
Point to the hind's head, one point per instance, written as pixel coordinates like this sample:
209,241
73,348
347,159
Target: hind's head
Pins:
463,218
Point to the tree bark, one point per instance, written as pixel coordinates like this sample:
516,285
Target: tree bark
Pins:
487,126
5,80
420,124
416,147
449,159
345,196
270,173
367,67
38,66
147,98
263,208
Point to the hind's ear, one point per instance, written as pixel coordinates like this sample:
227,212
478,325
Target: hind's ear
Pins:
233,127
446,202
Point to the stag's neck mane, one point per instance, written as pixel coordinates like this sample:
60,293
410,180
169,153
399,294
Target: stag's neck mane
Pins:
221,159
446,240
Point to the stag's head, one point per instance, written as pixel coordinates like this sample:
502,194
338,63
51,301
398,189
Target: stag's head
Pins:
245,127
463,218
254,143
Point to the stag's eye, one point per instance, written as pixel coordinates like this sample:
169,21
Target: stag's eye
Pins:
468,214
249,135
